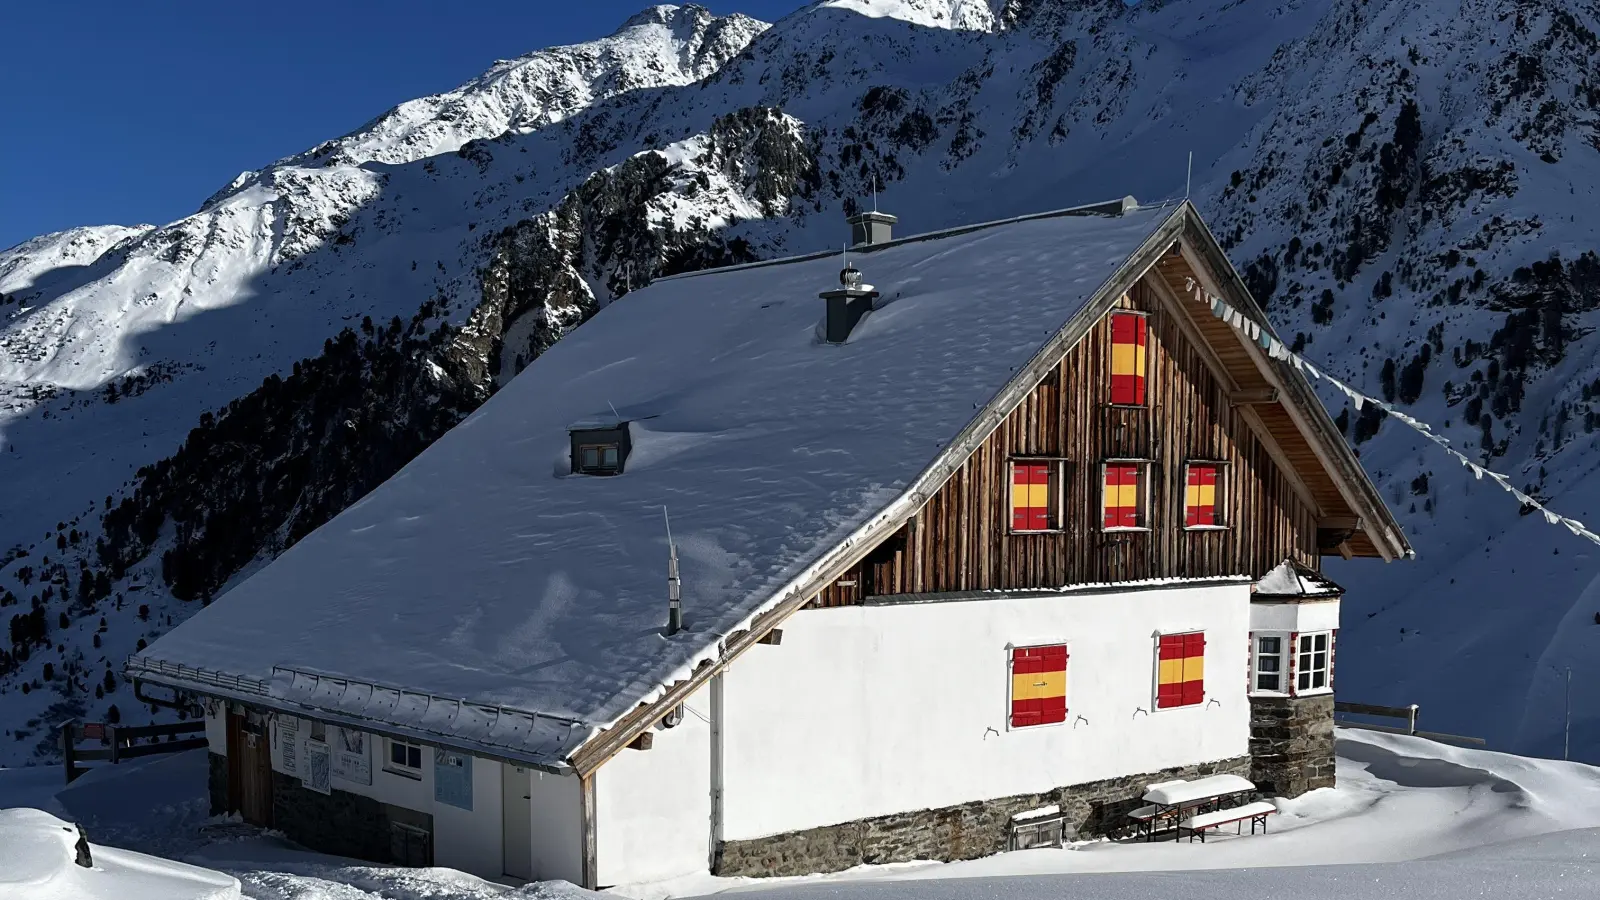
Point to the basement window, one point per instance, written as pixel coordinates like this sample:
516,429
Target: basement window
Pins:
600,451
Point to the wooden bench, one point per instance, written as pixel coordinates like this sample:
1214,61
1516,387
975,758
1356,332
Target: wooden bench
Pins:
1256,813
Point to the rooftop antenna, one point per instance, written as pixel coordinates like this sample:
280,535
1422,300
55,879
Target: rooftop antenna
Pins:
619,419
1188,176
674,588
874,191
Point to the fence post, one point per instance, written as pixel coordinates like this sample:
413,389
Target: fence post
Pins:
111,731
69,749
1412,722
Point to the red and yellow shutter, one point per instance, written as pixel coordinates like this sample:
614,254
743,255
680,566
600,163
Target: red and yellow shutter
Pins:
1038,685
1181,679
1200,498
1128,338
1030,496
1122,495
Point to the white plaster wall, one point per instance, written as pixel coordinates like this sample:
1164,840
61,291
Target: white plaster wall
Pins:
1308,615
865,711
653,807
556,804
472,841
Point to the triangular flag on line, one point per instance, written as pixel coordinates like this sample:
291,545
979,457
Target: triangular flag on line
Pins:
1477,471
1573,525
1549,516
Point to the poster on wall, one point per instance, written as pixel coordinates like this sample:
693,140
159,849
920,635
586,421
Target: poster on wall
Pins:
350,759
452,779
288,744
314,767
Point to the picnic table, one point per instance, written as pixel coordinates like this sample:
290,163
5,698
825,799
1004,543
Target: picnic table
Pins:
1180,803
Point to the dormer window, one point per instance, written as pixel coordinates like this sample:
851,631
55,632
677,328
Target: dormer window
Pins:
600,450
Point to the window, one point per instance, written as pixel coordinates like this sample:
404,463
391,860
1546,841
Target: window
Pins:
1035,495
1311,668
598,459
1181,670
319,731
1269,663
600,450
404,759
1038,685
1203,496
1124,496
1128,338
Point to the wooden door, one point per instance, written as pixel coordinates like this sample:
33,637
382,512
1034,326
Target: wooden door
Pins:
250,770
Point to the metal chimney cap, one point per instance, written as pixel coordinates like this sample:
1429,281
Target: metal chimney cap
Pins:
871,216
850,276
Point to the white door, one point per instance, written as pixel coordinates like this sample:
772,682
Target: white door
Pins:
517,827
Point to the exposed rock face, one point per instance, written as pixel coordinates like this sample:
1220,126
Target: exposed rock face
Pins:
1403,182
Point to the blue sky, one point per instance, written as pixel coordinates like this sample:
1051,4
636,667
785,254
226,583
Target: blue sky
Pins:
119,112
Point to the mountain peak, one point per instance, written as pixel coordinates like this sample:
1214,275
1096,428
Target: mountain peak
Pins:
959,15
667,14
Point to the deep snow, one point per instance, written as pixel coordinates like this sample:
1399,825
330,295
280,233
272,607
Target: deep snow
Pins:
1410,818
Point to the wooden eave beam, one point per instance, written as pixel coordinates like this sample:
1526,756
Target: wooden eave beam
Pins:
1252,398
1341,470
1170,295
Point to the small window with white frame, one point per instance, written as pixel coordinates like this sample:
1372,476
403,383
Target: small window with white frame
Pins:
403,758
1313,662
1035,495
1267,672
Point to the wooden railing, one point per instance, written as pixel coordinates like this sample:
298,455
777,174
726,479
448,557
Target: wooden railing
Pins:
115,743
1407,713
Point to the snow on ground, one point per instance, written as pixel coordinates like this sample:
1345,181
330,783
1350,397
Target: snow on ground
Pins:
39,861
1410,818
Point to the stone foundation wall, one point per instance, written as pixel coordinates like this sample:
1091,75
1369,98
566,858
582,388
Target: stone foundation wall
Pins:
217,782
967,831
342,823
1291,743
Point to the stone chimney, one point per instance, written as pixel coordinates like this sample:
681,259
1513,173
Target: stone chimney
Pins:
847,303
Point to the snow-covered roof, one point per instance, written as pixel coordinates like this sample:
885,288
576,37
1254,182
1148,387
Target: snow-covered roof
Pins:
1291,580
484,571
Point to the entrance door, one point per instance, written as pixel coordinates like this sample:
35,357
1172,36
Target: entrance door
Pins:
517,825
249,770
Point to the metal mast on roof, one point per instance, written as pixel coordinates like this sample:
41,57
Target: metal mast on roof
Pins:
674,591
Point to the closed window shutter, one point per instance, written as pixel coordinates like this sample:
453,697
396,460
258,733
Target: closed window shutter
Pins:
1128,346
1200,498
1039,498
1032,497
1038,685
1180,679
1122,495
1021,481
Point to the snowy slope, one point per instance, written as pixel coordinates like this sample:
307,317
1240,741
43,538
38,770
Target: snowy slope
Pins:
1450,145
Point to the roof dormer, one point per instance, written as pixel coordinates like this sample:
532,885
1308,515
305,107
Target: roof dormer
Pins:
599,449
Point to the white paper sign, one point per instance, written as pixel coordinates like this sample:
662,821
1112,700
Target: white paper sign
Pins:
351,760
288,744
315,768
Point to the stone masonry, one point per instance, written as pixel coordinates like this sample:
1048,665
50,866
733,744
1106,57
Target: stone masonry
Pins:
1291,743
967,831
342,823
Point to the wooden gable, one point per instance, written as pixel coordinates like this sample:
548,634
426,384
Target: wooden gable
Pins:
963,539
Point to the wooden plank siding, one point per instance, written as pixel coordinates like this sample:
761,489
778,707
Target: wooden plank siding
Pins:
961,539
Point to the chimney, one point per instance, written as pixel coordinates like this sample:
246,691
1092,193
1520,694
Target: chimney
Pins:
867,228
846,303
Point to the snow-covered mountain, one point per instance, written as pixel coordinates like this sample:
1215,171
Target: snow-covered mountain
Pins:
1404,181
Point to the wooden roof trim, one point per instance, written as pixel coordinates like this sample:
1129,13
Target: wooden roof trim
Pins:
1186,324
612,740
1200,248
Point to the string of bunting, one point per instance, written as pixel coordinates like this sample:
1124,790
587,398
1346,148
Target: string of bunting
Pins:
1278,350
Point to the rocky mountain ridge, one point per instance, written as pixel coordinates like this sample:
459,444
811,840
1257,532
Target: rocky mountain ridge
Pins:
1400,181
